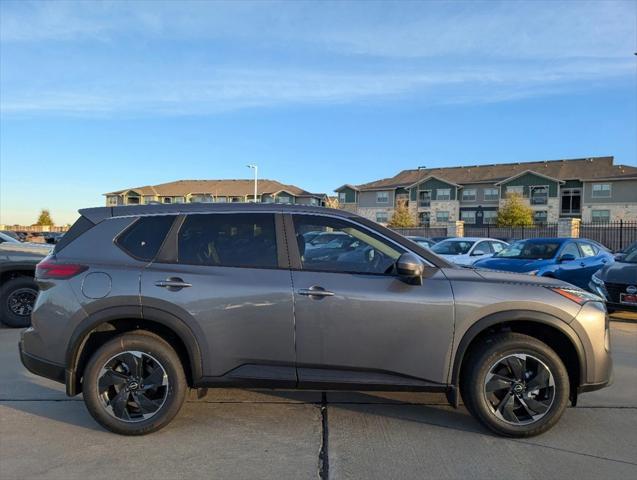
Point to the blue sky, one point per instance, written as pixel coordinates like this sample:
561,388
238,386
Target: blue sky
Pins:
99,96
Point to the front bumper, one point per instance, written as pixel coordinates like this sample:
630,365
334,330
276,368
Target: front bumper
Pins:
41,367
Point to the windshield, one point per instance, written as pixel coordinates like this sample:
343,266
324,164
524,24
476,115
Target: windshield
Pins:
631,257
530,250
452,247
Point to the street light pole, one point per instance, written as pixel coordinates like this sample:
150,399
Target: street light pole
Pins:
256,169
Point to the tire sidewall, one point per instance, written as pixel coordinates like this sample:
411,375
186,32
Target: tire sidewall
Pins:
162,352
6,315
481,407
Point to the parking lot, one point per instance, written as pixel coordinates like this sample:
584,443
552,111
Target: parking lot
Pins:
279,435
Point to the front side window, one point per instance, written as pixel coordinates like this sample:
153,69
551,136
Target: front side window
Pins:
351,249
600,216
530,250
382,197
570,249
443,194
601,190
469,195
228,240
491,194
452,247
143,238
588,250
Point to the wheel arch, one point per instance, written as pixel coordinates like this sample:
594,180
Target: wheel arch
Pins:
556,333
103,325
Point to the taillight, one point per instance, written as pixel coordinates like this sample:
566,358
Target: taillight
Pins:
49,268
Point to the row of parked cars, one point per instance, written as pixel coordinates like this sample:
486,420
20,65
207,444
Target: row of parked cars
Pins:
581,262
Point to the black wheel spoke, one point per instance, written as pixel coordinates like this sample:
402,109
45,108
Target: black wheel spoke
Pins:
541,379
517,367
536,406
120,403
110,378
155,379
506,407
146,405
498,382
133,362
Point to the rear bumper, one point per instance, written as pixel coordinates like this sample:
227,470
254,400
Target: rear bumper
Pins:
41,367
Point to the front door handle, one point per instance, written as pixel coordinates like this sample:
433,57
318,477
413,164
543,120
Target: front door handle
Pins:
315,291
173,284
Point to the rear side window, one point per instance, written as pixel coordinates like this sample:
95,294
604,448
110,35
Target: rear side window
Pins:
587,249
228,240
144,237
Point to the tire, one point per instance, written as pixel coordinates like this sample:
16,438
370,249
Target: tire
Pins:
114,390
17,298
524,407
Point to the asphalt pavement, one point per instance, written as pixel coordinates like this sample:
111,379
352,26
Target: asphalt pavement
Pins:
245,434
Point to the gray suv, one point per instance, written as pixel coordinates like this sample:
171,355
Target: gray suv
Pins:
139,303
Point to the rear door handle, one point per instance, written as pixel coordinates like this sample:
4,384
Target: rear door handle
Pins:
315,291
173,283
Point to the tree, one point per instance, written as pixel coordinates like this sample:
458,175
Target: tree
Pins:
45,218
514,212
402,217
332,202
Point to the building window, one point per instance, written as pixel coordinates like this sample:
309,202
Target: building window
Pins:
442,217
179,200
147,199
381,217
443,194
167,200
571,200
490,217
601,190
600,216
132,200
424,198
540,216
283,199
518,190
382,197
342,197
221,200
469,195
423,219
539,195
468,216
490,194
111,201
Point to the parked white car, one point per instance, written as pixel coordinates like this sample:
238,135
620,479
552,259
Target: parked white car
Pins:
468,250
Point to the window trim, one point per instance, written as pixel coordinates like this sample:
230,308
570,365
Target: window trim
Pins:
600,210
491,198
473,197
295,256
443,199
117,244
610,190
386,192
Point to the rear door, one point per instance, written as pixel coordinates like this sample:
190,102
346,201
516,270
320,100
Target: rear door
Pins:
356,321
570,271
226,275
592,260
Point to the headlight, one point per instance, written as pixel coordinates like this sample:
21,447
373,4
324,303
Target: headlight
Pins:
597,281
576,295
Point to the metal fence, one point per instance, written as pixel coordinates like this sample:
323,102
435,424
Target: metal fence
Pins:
511,233
614,235
429,232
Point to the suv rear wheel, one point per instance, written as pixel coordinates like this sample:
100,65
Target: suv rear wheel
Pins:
515,385
17,298
134,384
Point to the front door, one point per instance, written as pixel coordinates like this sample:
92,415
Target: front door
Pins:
356,321
229,281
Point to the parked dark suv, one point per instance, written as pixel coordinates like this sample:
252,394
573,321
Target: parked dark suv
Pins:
139,303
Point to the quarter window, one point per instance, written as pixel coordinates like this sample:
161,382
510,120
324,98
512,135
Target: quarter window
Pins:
347,249
601,190
143,239
443,194
223,240
469,195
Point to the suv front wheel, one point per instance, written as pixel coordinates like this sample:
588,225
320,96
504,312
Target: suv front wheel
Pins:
515,385
134,384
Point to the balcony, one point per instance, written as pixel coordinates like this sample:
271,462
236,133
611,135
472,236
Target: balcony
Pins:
424,203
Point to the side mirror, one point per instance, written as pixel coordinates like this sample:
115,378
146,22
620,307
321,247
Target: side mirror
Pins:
410,266
478,253
567,257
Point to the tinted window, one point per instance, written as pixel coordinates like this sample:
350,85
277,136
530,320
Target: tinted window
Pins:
482,248
351,249
571,249
530,250
497,246
143,239
224,240
587,249
81,226
452,247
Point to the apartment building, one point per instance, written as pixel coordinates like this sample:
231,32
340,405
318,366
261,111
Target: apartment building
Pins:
592,189
220,191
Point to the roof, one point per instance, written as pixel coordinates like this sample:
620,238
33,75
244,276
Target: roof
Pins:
569,169
97,214
221,188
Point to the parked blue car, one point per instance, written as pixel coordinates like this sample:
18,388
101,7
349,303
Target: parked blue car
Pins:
571,260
